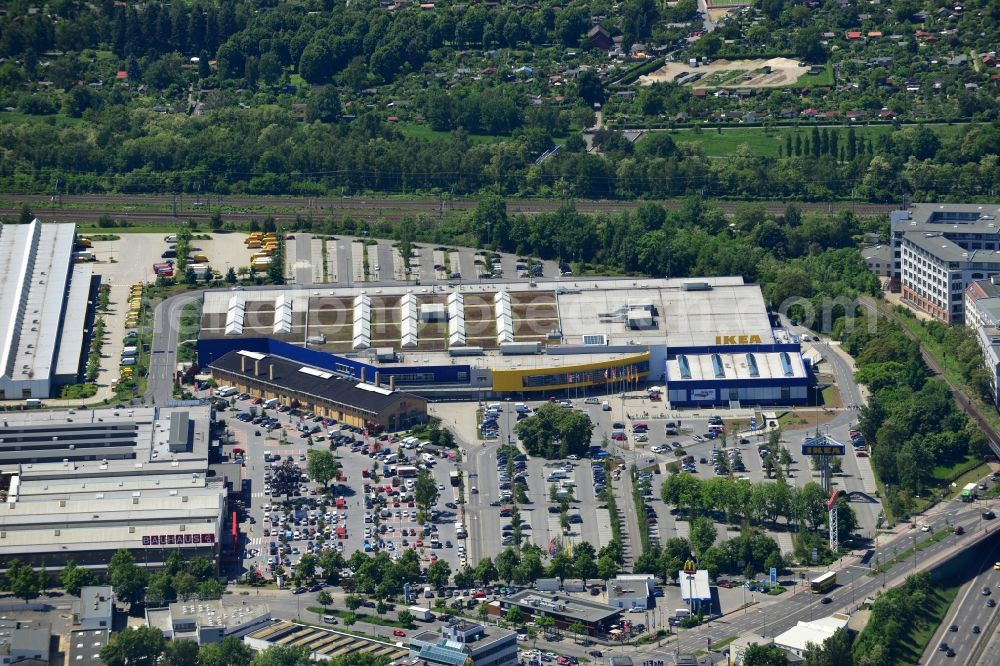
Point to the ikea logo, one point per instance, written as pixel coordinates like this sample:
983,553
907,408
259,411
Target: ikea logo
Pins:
737,340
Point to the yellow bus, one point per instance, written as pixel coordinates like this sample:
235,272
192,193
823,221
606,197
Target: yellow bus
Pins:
824,583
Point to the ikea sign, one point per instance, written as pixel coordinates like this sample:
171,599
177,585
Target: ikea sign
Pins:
737,340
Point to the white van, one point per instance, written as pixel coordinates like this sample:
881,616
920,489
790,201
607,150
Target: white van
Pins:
494,407
32,403
225,391
271,404
128,360
605,406
520,408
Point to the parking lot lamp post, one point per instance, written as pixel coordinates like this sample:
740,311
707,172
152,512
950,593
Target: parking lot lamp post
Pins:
914,538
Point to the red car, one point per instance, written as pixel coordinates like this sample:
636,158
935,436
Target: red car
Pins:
399,632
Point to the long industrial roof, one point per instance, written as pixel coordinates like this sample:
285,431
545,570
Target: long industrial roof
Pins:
35,260
300,378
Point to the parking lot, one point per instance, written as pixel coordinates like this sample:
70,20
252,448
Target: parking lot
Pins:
641,432
351,259
347,511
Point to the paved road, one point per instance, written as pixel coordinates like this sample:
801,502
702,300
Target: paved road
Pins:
163,356
968,610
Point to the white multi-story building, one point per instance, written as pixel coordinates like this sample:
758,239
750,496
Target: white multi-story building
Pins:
982,314
938,250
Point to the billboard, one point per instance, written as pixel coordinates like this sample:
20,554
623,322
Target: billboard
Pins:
822,446
703,394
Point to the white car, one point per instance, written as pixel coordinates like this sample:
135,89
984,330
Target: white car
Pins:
925,528
572,456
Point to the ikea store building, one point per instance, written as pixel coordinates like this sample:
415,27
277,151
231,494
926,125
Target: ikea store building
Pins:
707,342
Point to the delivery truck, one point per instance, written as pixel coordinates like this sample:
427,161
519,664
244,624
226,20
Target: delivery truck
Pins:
421,613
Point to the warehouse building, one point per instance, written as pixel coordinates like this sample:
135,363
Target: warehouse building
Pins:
43,310
938,250
356,403
81,484
522,339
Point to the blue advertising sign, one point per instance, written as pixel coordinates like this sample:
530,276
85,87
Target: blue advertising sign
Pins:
822,446
774,576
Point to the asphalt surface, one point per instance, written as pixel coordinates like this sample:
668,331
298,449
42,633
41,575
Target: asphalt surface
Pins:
163,353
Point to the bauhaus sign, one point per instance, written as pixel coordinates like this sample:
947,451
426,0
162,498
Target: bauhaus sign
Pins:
737,340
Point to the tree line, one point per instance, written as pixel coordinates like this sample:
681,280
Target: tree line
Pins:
911,421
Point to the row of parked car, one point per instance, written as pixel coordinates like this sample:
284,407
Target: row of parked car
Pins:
859,444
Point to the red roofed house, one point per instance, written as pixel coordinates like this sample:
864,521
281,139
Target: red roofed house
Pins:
875,34
809,113
886,114
122,75
854,35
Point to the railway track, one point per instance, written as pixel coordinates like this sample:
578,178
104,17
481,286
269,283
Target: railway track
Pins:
164,208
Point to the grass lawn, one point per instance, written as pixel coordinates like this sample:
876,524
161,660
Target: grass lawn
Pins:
967,471
831,397
824,78
723,141
18,118
425,132
919,633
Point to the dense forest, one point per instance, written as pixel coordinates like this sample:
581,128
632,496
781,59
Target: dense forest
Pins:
325,98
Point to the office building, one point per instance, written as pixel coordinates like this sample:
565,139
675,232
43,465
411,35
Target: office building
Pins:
463,643
938,250
982,315
208,621
81,484
43,310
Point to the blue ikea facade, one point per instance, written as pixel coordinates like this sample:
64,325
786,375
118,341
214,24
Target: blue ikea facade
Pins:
684,391
212,348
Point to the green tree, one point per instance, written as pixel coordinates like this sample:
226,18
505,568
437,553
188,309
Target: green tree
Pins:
486,571
136,646
577,629
545,623
514,617
283,655
231,651
181,653
352,601
835,651
184,585
324,599
321,466
405,618
323,105
607,568
73,578
764,655
438,573
23,581
703,534
425,492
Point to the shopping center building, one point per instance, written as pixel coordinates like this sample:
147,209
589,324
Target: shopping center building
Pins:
707,341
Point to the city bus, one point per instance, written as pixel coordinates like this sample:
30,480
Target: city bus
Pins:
824,583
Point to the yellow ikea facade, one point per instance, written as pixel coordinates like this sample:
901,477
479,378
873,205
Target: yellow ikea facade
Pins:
602,373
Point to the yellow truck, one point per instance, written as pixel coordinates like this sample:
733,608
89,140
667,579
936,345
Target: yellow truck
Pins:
252,244
83,242
261,264
198,258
